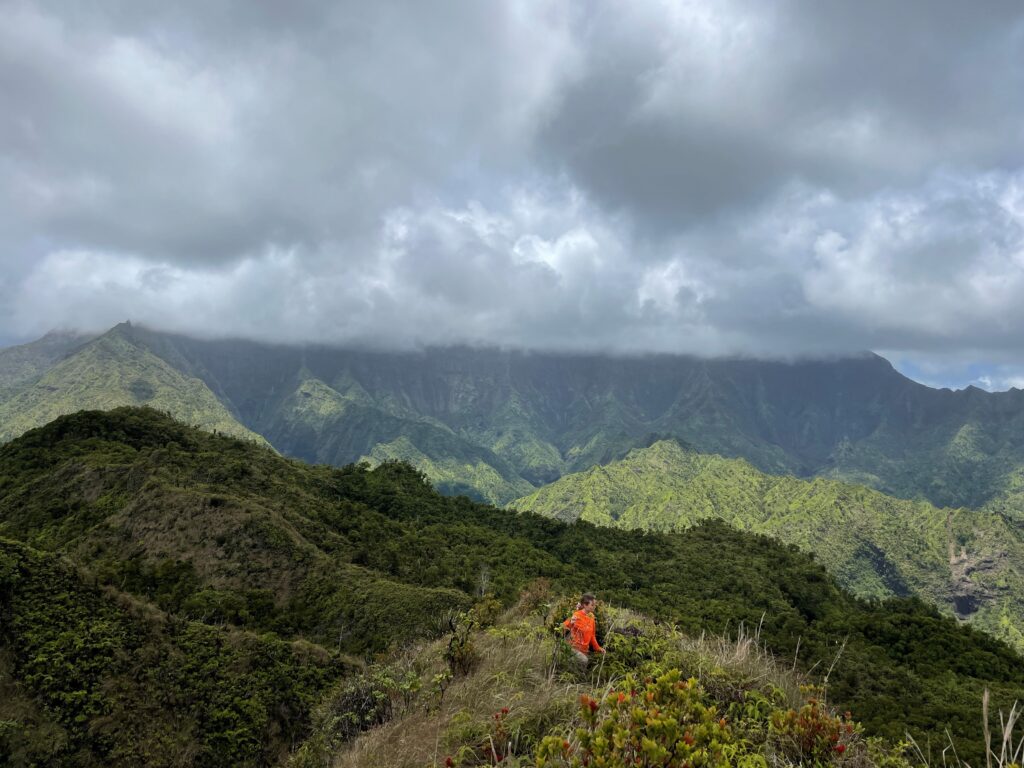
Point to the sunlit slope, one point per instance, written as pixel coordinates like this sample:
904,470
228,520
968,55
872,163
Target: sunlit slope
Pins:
113,371
23,364
968,562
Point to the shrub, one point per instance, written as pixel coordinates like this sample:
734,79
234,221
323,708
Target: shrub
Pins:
460,654
358,703
486,611
811,734
638,649
666,722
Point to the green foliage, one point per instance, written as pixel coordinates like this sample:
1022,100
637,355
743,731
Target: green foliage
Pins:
453,469
356,704
111,371
811,735
405,686
632,649
877,546
362,560
460,653
130,686
666,722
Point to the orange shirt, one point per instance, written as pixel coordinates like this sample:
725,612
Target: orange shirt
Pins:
582,632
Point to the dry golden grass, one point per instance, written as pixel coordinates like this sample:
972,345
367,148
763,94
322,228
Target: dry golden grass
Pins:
516,670
742,657
513,673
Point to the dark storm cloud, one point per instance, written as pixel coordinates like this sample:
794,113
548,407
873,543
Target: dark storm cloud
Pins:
686,110
738,177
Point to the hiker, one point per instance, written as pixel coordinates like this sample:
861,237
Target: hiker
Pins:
582,629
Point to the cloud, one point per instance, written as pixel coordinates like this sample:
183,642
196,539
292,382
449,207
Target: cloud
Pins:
954,374
716,178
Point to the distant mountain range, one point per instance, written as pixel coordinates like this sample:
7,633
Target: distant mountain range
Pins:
496,424
969,562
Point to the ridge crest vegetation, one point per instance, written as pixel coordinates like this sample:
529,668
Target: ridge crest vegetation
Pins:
967,562
323,568
657,698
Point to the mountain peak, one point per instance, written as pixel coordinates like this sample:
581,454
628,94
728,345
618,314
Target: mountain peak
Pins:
123,330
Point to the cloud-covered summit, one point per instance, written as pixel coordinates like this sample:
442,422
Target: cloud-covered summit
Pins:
711,177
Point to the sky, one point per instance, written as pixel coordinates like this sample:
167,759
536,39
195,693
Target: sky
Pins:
773,179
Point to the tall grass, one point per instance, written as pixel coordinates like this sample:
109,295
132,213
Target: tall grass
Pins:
1004,749
519,668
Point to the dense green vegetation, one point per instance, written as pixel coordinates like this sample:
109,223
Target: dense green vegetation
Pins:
20,366
109,372
659,698
104,680
968,562
219,530
214,528
337,425
492,423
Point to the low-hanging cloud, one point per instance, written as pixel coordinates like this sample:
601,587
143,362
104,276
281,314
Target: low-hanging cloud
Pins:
720,178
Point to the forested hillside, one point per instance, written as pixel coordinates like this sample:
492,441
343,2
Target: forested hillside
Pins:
969,562
494,423
107,372
91,676
24,364
217,530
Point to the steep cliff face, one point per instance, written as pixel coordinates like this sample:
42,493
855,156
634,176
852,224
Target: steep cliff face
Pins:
548,414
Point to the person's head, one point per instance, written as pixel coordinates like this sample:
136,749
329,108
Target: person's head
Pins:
588,602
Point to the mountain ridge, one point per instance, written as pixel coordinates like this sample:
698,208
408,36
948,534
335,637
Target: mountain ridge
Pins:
22,364
108,372
969,562
311,561
488,421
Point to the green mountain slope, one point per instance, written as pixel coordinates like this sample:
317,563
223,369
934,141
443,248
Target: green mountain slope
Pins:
219,530
316,422
971,563
22,365
213,528
112,371
548,414
93,677
489,421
